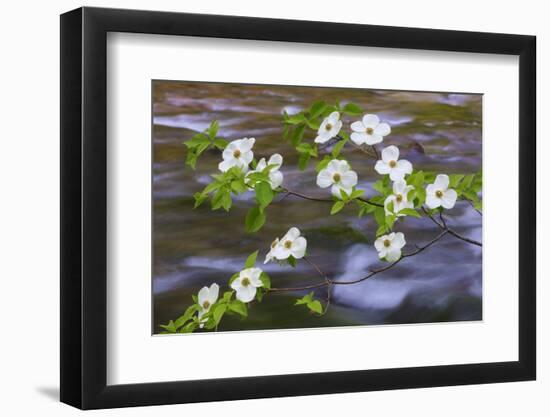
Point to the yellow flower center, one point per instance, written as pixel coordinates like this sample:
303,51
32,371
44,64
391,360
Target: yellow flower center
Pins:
245,282
387,243
328,126
336,177
206,305
392,164
439,193
237,153
369,130
288,244
399,198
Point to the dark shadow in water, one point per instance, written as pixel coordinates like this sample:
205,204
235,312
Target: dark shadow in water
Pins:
50,392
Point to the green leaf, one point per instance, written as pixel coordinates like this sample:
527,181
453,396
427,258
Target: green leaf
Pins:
266,281
390,220
303,161
315,306
305,299
180,321
291,261
170,327
379,186
356,194
238,186
295,119
352,109
307,148
454,180
197,140
189,328
410,212
233,278
255,219
338,148
212,130
220,143
337,206
297,135
323,163
264,194
317,109
218,312
238,307
467,182
199,199
251,260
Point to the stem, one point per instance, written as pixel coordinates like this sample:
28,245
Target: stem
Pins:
324,200
453,232
328,283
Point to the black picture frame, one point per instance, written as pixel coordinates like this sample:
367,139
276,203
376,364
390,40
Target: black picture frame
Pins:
84,207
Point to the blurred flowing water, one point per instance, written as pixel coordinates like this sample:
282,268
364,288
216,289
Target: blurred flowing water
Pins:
438,132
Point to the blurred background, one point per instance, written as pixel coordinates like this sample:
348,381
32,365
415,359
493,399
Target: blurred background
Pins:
438,132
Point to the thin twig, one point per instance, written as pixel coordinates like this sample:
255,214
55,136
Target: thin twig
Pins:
451,231
325,200
328,283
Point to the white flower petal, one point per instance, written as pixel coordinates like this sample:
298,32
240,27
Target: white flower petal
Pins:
393,254
336,191
246,144
323,137
431,189
373,139
246,294
227,164
390,153
399,187
398,240
396,174
441,182
432,201
292,234
379,244
276,179
405,166
333,166
335,128
449,199
280,252
203,295
349,179
324,178
334,116
261,165
358,138
383,129
275,159
358,127
382,168
299,247
370,120
343,166
246,158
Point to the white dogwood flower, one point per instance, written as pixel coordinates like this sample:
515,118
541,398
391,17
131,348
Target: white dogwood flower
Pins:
270,255
292,244
399,198
439,194
329,128
206,298
339,175
237,153
389,246
369,130
246,283
275,176
391,164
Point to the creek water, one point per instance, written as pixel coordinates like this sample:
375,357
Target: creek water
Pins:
438,132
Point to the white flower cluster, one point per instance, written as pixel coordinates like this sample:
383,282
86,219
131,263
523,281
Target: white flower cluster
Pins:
291,244
238,153
339,176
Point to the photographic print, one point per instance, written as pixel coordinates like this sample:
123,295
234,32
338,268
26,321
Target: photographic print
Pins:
288,207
